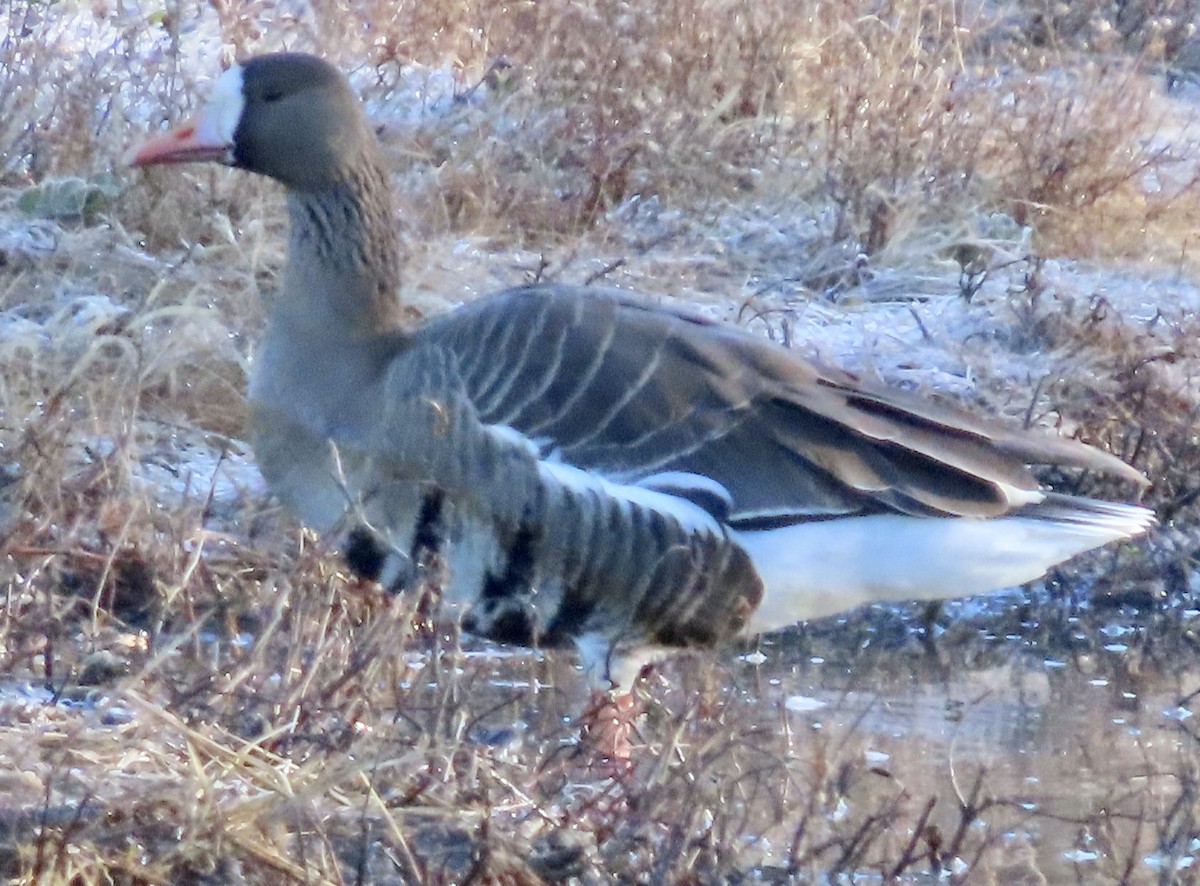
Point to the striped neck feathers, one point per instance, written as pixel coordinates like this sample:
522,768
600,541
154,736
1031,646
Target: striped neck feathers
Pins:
343,266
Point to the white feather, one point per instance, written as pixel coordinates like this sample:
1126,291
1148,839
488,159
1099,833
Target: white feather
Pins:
690,516
219,120
811,570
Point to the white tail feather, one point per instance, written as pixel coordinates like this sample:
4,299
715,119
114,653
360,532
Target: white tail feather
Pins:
811,570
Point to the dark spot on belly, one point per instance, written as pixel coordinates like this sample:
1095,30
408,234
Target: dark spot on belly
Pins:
513,626
364,553
505,621
519,567
428,530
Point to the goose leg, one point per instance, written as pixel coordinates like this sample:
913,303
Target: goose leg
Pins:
608,723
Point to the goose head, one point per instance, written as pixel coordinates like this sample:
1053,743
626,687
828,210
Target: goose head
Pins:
289,116
294,118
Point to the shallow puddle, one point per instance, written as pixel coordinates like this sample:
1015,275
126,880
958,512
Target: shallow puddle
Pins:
1072,745
1083,730
1072,749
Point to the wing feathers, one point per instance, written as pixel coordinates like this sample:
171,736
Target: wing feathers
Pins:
629,391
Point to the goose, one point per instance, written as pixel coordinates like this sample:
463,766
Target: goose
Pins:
587,467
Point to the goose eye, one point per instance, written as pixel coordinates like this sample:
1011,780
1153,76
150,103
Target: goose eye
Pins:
272,96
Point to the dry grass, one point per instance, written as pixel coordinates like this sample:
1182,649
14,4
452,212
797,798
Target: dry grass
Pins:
224,705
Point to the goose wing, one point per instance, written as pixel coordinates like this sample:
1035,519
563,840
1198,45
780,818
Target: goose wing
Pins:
640,394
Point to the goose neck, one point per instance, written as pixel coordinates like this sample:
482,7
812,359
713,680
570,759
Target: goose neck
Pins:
343,260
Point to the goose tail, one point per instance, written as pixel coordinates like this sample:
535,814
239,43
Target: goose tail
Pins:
811,570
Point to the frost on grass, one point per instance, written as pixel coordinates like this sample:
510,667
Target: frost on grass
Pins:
987,203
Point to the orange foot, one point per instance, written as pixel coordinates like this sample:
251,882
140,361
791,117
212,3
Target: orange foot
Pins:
607,727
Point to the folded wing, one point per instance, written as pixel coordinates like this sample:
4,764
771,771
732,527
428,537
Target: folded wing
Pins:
608,383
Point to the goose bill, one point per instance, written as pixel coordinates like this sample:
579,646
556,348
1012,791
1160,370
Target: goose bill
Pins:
190,142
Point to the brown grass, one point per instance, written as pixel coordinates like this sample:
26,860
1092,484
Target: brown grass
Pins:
226,705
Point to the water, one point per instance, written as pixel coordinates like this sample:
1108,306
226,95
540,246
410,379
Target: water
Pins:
1066,746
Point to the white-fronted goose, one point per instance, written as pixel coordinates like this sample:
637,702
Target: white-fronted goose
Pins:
593,469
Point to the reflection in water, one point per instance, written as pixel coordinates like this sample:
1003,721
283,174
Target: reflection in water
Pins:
1078,721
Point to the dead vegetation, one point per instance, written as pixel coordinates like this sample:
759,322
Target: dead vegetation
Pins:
194,692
